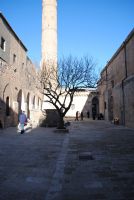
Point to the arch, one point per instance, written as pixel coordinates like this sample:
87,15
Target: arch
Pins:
7,106
111,103
28,103
95,107
38,102
1,125
33,102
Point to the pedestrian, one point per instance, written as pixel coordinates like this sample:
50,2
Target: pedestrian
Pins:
88,114
93,115
77,116
22,121
81,115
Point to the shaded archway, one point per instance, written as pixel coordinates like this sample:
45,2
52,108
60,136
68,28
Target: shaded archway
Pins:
28,101
95,107
110,109
7,106
34,102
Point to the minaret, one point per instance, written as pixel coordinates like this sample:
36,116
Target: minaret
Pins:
49,31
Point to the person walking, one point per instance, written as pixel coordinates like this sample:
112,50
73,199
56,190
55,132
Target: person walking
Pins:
81,115
88,114
22,121
77,116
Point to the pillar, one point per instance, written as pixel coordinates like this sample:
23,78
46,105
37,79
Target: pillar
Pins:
49,31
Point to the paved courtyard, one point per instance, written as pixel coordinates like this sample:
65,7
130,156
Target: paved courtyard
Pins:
94,161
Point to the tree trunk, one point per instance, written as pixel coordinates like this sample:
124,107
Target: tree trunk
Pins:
61,123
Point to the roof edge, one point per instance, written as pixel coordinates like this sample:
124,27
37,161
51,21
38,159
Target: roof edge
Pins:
7,23
119,49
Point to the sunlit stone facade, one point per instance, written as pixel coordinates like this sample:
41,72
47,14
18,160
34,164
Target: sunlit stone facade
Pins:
17,79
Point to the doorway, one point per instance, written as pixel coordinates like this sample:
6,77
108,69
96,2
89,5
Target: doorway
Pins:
95,107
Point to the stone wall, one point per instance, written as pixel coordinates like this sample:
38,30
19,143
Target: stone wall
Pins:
18,80
82,102
116,86
129,101
4,32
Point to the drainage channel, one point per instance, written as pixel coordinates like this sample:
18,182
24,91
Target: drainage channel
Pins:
56,183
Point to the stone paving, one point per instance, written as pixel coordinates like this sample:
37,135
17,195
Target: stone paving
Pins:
94,161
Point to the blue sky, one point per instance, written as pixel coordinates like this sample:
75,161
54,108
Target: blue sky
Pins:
85,27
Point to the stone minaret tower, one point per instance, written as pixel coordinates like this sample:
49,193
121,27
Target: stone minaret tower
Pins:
49,31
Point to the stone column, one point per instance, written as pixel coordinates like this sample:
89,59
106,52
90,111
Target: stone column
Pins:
49,31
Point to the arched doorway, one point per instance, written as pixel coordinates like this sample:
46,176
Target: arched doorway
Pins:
111,102
7,106
34,102
95,107
28,100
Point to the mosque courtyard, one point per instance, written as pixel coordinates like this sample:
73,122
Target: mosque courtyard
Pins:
94,161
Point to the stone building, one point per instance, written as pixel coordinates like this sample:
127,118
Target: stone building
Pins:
17,79
116,85
85,100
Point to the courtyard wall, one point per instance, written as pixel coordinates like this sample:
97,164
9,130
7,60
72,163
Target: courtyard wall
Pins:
18,79
116,85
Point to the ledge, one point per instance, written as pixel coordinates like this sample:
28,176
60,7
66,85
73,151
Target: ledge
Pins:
61,131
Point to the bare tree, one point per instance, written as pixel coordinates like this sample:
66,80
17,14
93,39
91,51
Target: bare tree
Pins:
61,82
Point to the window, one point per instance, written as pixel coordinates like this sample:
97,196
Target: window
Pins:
22,65
3,44
14,58
7,107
